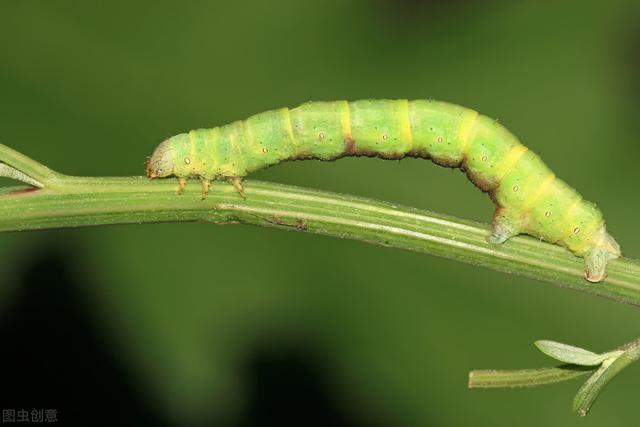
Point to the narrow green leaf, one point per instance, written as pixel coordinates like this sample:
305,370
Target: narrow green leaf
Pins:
594,385
570,354
525,377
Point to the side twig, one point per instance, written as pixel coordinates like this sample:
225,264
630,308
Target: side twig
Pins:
602,367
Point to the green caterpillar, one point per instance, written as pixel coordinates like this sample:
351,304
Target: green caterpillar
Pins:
529,197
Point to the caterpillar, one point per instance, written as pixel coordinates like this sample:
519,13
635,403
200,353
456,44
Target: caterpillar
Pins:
529,197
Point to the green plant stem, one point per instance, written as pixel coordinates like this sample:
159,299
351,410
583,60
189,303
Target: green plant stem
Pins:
492,378
67,201
72,202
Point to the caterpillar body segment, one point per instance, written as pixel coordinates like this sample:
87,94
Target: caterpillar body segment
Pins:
529,197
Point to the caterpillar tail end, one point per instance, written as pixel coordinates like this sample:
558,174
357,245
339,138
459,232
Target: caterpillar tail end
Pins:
505,226
596,258
500,234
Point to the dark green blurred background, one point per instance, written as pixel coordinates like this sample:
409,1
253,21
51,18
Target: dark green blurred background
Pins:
194,324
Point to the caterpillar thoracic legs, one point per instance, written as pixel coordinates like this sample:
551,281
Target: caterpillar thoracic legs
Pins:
206,186
182,183
236,181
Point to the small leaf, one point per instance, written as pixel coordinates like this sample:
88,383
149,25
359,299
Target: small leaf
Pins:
570,354
589,392
592,388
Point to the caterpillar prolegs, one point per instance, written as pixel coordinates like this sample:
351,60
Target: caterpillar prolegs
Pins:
529,197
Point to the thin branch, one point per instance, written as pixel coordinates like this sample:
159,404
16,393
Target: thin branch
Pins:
602,367
67,201
492,378
35,173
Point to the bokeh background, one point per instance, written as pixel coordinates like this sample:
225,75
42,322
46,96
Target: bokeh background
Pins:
195,324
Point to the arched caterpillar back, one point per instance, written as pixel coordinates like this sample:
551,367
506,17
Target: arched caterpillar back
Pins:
529,197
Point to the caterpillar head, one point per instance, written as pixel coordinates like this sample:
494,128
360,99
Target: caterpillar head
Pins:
161,162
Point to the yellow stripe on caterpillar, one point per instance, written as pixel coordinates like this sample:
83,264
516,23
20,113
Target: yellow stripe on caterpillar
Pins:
510,160
465,129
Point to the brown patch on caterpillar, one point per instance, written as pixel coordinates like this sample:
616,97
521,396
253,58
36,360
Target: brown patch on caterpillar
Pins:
463,163
351,150
492,195
350,145
302,156
366,152
421,153
483,184
448,163
395,155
